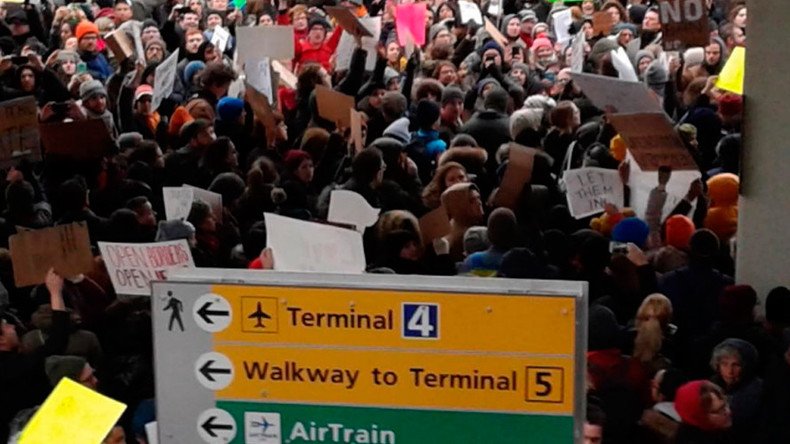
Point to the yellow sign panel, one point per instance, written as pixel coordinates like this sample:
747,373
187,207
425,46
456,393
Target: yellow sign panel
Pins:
72,414
500,383
399,319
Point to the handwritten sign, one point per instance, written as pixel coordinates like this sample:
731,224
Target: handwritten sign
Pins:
615,95
132,267
590,189
72,414
258,73
684,24
311,247
66,248
653,141
410,19
164,79
562,22
470,12
19,135
220,38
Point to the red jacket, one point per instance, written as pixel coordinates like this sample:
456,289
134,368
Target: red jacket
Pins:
304,53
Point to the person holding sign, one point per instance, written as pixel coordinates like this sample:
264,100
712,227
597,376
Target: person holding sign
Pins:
316,48
97,65
22,379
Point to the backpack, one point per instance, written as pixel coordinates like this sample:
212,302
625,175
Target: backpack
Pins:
418,152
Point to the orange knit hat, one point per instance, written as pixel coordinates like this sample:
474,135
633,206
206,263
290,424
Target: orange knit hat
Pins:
85,27
678,230
179,118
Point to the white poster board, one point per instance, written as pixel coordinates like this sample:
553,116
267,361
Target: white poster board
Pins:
617,96
132,267
178,202
311,247
258,73
590,189
470,12
561,21
220,38
164,78
348,207
641,182
256,42
345,49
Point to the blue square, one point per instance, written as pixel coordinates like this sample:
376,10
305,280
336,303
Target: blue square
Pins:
420,321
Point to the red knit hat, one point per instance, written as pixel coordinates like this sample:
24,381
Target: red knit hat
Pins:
688,403
294,158
678,230
85,27
540,42
730,105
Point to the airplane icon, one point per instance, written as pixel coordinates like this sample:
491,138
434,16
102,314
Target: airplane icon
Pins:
259,316
264,425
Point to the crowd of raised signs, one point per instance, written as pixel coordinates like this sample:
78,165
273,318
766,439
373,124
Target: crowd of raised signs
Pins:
524,139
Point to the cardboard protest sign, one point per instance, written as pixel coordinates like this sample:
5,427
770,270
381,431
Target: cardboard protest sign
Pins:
80,140
120,44
602,23
434,224
19,135
348,21
256,42
66,248
653,141
492,30
411,18
561,23
72,414
347,45
132,267
684,24
334,106
164,79
470,12
258,74
310,247
588,190
731,76
617,96
262,110
214,200
220,38
348,207
518,173
356,129
287,77
134,29
178,202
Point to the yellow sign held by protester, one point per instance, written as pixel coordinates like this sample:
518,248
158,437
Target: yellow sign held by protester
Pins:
72,414
731,76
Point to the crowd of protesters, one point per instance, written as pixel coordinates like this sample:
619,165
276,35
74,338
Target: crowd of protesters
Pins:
676,352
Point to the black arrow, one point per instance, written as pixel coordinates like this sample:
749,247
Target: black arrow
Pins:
206,370
204,312
209,426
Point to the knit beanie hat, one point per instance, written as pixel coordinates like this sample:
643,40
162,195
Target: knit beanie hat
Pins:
496,100
92,88
704,244
399,130
294,158
656,73
200,109
643,53
142,91
389,75
156,42
179,118
229,109
476,239
427,114
191,69
490,45
228,185
631,229
541,42
85,27
694,56
58,367
481,85
66,54
318,21
174,230
435,30
603,330
777,305
688,403
730,105
451,93
678,230
723,190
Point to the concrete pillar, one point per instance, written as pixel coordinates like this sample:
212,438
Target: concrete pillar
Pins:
763,257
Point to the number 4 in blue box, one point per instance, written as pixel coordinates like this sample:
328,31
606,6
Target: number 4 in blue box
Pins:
420,321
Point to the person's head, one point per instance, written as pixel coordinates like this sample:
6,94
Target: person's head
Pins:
652,319
713,53
368,167
625,32
693,91
588,7
777,307
427,115
66,31
75,368
616,12
265,19
565,116
734,361
216,78
491,52
300,164
27,79
496,100
452,103
193,38
665,384
394,51
218,5
155,51
87,34
94,96
595,419
678,230
502,229
146,216
148,152
396,220
122,12
189,20
702,404
17,21
519,72
198,133
446,11
299,18
736,305
230,109
651,21
116,436
197,6
142,99
512,27
214,19
738,16
9,338
445,72
543,50
202,218
528,21
316,32
732,35
440,35
221,155
150,32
